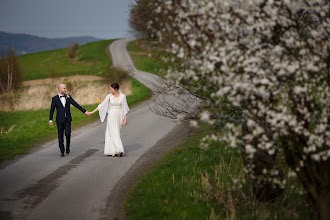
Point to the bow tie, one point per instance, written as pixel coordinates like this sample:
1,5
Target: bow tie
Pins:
62,96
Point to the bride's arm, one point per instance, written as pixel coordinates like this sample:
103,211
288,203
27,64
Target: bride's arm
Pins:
101,105
125,120
95,110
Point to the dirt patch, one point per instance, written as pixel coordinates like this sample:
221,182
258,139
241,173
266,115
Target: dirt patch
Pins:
115,202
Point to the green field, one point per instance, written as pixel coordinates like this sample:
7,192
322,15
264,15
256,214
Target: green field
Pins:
91,59
144,62
31,127
195,183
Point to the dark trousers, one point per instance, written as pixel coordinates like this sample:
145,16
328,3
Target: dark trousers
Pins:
61,127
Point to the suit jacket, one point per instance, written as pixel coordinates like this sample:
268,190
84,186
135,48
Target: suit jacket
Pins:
63,111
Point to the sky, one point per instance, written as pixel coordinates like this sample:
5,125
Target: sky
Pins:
105,19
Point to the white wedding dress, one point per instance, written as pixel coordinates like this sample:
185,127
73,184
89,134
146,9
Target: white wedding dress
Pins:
117,108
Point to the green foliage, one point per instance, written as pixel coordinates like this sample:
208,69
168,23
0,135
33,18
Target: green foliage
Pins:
195,183
91,59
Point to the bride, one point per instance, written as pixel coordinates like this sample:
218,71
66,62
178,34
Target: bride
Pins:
115,105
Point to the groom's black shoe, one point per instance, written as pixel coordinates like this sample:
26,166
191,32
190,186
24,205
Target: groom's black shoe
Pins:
62,154
67,150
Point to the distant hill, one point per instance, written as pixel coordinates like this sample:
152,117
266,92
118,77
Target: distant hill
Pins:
25,43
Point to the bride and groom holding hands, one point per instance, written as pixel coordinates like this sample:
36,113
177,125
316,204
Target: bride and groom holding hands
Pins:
115,104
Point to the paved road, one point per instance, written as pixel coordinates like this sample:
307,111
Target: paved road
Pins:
43,185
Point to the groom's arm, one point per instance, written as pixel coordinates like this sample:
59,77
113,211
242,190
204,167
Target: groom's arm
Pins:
51,112
75,104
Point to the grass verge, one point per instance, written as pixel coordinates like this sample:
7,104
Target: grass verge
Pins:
142,61
195,183
31,127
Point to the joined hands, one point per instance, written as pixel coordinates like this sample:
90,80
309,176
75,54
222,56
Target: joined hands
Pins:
88,113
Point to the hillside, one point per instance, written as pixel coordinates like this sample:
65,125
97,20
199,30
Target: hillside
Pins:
25,44
91,59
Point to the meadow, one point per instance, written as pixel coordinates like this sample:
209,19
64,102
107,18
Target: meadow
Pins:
24,113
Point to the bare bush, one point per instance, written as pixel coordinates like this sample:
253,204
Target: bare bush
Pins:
72,51
10,73
115,74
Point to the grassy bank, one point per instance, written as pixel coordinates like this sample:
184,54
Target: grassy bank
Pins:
91,59
148,59
31,127
195,183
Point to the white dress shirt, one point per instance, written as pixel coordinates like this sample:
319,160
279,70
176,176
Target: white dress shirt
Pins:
63,101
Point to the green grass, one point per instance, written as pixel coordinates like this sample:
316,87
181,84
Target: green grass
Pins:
32,127
92,59
195,183
139,93
152,64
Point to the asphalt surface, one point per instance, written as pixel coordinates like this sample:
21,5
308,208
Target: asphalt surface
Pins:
42,185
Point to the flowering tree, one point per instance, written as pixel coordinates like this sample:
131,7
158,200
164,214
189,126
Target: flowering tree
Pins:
263,69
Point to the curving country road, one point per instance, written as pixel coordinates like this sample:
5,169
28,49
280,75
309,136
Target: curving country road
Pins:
83,185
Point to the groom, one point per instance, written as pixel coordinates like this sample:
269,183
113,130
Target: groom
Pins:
62,103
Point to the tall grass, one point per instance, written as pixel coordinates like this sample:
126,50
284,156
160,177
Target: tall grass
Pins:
195,183
36,94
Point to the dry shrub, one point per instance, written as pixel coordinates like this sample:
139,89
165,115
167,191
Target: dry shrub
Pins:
115,74
4,132
53,74
72,51
213,189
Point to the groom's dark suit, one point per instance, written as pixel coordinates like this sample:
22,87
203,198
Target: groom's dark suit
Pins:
63,119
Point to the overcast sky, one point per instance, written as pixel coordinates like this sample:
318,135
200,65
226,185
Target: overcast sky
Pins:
105,19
